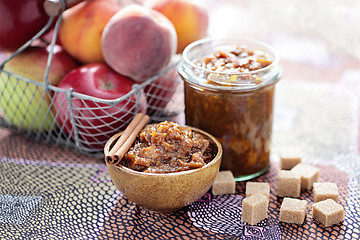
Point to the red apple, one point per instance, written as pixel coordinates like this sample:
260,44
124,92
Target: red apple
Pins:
20,21
95,120
159,92
25,104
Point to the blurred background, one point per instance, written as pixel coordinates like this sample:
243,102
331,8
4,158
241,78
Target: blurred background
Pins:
309,25
317,100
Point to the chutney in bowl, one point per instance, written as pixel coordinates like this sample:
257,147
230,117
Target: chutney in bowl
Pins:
174,183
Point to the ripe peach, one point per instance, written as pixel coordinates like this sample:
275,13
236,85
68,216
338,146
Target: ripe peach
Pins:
82,27
189,17
138,42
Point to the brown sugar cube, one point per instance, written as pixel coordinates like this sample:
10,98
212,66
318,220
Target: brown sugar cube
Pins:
328,212
288,162
293,210
289,184
254,208
325,190
224,183
257,187
309,174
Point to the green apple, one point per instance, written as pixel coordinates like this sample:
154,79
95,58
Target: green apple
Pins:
25,104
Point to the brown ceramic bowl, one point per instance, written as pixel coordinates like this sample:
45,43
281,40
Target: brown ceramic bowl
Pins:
165,192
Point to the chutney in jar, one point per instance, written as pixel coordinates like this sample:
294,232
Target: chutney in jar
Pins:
167,147
229,92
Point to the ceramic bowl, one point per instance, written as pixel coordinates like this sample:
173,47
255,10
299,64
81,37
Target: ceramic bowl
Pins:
165,192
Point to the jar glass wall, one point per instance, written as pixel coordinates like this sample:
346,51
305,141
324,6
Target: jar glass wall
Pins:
236,107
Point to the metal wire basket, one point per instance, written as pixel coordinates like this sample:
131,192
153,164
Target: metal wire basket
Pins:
37,117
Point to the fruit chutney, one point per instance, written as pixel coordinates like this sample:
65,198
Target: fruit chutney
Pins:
167,147
229,89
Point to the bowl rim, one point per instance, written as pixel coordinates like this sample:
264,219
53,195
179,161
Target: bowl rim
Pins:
186,172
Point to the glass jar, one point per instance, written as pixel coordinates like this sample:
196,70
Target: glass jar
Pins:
236,107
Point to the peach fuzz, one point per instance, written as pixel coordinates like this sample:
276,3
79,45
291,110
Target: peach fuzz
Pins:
190,19
82,26
138,42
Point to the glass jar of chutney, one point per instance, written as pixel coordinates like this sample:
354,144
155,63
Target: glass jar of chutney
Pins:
229,92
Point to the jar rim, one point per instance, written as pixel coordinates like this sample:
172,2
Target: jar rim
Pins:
269,49
227,81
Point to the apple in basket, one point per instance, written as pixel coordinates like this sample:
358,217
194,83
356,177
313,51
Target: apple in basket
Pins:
23,103
160,91
20,21
95,113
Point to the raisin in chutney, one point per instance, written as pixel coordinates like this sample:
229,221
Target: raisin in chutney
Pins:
229,92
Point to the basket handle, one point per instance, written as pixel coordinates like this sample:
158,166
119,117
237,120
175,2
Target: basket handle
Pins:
54,7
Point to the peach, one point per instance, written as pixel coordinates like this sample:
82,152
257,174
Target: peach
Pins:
190,19
82,27
138,42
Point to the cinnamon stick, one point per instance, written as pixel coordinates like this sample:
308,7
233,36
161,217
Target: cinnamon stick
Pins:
126,139
134,122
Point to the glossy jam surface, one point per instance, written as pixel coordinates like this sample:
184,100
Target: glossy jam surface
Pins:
168,147
236,60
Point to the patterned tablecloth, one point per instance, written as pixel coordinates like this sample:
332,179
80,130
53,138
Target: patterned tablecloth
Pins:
50,193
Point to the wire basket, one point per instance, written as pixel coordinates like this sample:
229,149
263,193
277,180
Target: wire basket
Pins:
28,107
